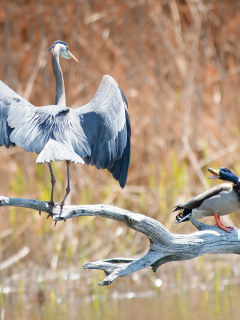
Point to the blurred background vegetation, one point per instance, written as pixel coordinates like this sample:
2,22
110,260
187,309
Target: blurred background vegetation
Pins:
178,63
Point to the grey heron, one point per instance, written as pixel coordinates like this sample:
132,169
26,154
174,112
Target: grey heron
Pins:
97,133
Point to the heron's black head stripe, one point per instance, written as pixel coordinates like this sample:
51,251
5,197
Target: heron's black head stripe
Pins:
59,41
55,43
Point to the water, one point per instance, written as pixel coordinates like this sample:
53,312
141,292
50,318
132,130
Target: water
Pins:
218,299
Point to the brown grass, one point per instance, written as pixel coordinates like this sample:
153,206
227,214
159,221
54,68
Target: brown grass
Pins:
178,63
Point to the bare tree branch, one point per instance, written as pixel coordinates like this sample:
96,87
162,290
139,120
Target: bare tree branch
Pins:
164,246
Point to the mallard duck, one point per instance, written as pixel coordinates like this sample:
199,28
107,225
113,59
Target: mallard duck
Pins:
217,201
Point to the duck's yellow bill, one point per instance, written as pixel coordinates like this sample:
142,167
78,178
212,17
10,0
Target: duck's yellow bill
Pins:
215,173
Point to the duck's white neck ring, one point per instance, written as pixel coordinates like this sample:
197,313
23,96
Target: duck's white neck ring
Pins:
237,184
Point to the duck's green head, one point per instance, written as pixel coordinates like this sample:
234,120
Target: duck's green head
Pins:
223,174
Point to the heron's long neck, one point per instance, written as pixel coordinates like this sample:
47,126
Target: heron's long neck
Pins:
60,98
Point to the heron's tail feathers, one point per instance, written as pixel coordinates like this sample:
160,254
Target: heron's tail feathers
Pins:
56,151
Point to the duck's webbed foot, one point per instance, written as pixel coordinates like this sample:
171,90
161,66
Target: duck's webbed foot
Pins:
221,225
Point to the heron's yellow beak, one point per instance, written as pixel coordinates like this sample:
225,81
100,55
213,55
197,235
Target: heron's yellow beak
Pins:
71,56
215,173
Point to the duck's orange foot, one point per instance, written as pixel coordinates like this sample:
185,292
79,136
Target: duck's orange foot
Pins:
227,229
221,225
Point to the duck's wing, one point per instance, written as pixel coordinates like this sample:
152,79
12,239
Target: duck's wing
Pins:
106,125
196,202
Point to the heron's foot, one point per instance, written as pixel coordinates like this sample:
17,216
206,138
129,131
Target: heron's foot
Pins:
61,204
51,203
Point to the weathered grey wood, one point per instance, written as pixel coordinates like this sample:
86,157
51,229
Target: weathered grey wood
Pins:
164,246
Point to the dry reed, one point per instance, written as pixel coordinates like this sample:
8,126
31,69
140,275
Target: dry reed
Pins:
178,63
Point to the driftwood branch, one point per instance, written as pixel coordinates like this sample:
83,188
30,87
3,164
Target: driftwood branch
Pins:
164,246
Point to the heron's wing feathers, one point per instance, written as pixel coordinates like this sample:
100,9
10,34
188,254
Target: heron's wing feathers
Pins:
99,132
33,127
106,124
5,91
8,98
49,130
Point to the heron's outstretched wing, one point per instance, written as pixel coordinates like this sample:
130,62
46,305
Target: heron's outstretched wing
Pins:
106,124
38,129
98,132
8,98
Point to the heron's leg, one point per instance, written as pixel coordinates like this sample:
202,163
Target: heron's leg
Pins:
53,181
68,184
